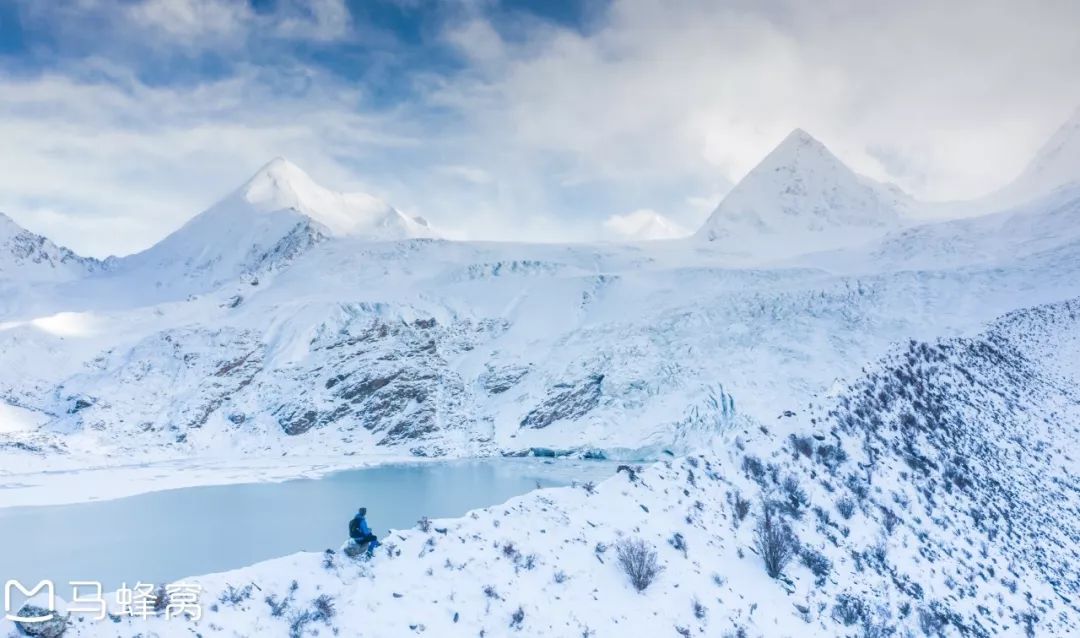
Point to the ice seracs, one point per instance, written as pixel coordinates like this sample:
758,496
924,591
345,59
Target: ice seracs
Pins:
801,198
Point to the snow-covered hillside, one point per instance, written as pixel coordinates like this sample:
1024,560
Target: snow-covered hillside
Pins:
935,495
800,199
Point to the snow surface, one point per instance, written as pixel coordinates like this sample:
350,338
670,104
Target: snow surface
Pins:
1056,164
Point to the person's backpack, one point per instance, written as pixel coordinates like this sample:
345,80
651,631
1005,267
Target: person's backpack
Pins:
354,528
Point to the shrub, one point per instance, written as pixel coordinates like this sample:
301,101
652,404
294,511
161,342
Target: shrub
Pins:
589,487
802,445
848,609
846,507
741,506
424,524
679,543
889,519
831,456
699,610
517,618
753,468
775,542
277,608
818,564
560,577
638,560
796,499
324,608
233,596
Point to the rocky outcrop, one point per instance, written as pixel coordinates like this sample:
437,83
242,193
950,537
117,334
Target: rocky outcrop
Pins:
499,380
55,617
566,401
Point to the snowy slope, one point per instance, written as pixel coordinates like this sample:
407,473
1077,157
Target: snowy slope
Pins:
801,198
1055,165
25,256
277,215
1037,229
935,495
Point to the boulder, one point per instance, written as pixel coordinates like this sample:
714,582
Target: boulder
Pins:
38,607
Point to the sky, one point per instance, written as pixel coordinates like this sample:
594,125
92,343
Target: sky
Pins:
556,120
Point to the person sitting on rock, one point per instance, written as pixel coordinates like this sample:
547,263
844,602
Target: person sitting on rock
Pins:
361,533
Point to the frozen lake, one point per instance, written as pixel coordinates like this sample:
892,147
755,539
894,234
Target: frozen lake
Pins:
172,534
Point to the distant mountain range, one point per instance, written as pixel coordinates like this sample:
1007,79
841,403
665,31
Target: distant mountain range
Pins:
287,317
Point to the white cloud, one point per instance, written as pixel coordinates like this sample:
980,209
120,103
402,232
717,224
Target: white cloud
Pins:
957,95
471,174
133,162
651,105
643,225
187,19
186,25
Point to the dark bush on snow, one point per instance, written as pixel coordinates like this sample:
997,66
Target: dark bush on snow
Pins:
741,506
638,559
802,445
848,609
818,564
753,468
846,507
679,543
831,456
775,541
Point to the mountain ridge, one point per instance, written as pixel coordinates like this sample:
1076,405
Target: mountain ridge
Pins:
26,254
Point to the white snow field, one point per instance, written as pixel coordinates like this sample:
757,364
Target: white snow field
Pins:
925,370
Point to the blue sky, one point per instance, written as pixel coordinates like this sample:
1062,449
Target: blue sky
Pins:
506,120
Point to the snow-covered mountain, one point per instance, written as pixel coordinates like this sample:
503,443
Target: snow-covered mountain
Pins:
273,218
25,256
643,225
800,199
284,327
1055,165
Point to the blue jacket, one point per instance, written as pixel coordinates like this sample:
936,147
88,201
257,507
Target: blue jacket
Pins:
364,526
